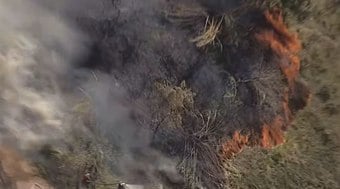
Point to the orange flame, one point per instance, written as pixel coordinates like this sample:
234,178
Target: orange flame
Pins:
272,135
284,43
235,145
286,46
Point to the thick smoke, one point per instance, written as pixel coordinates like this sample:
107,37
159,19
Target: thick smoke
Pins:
123,49
39,51
138,162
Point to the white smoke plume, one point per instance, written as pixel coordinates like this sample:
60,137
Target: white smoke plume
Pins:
37,48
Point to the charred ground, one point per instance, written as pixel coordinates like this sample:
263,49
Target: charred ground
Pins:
202,81
194,98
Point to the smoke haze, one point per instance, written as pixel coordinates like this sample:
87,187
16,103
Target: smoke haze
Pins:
37,49
40,80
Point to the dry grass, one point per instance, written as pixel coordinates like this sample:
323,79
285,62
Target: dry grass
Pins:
310,157
201,164
178,99
187,16
195,18
65,167
200,161
210,33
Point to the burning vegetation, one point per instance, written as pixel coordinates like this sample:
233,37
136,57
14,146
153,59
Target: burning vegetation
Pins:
172,90
285,47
